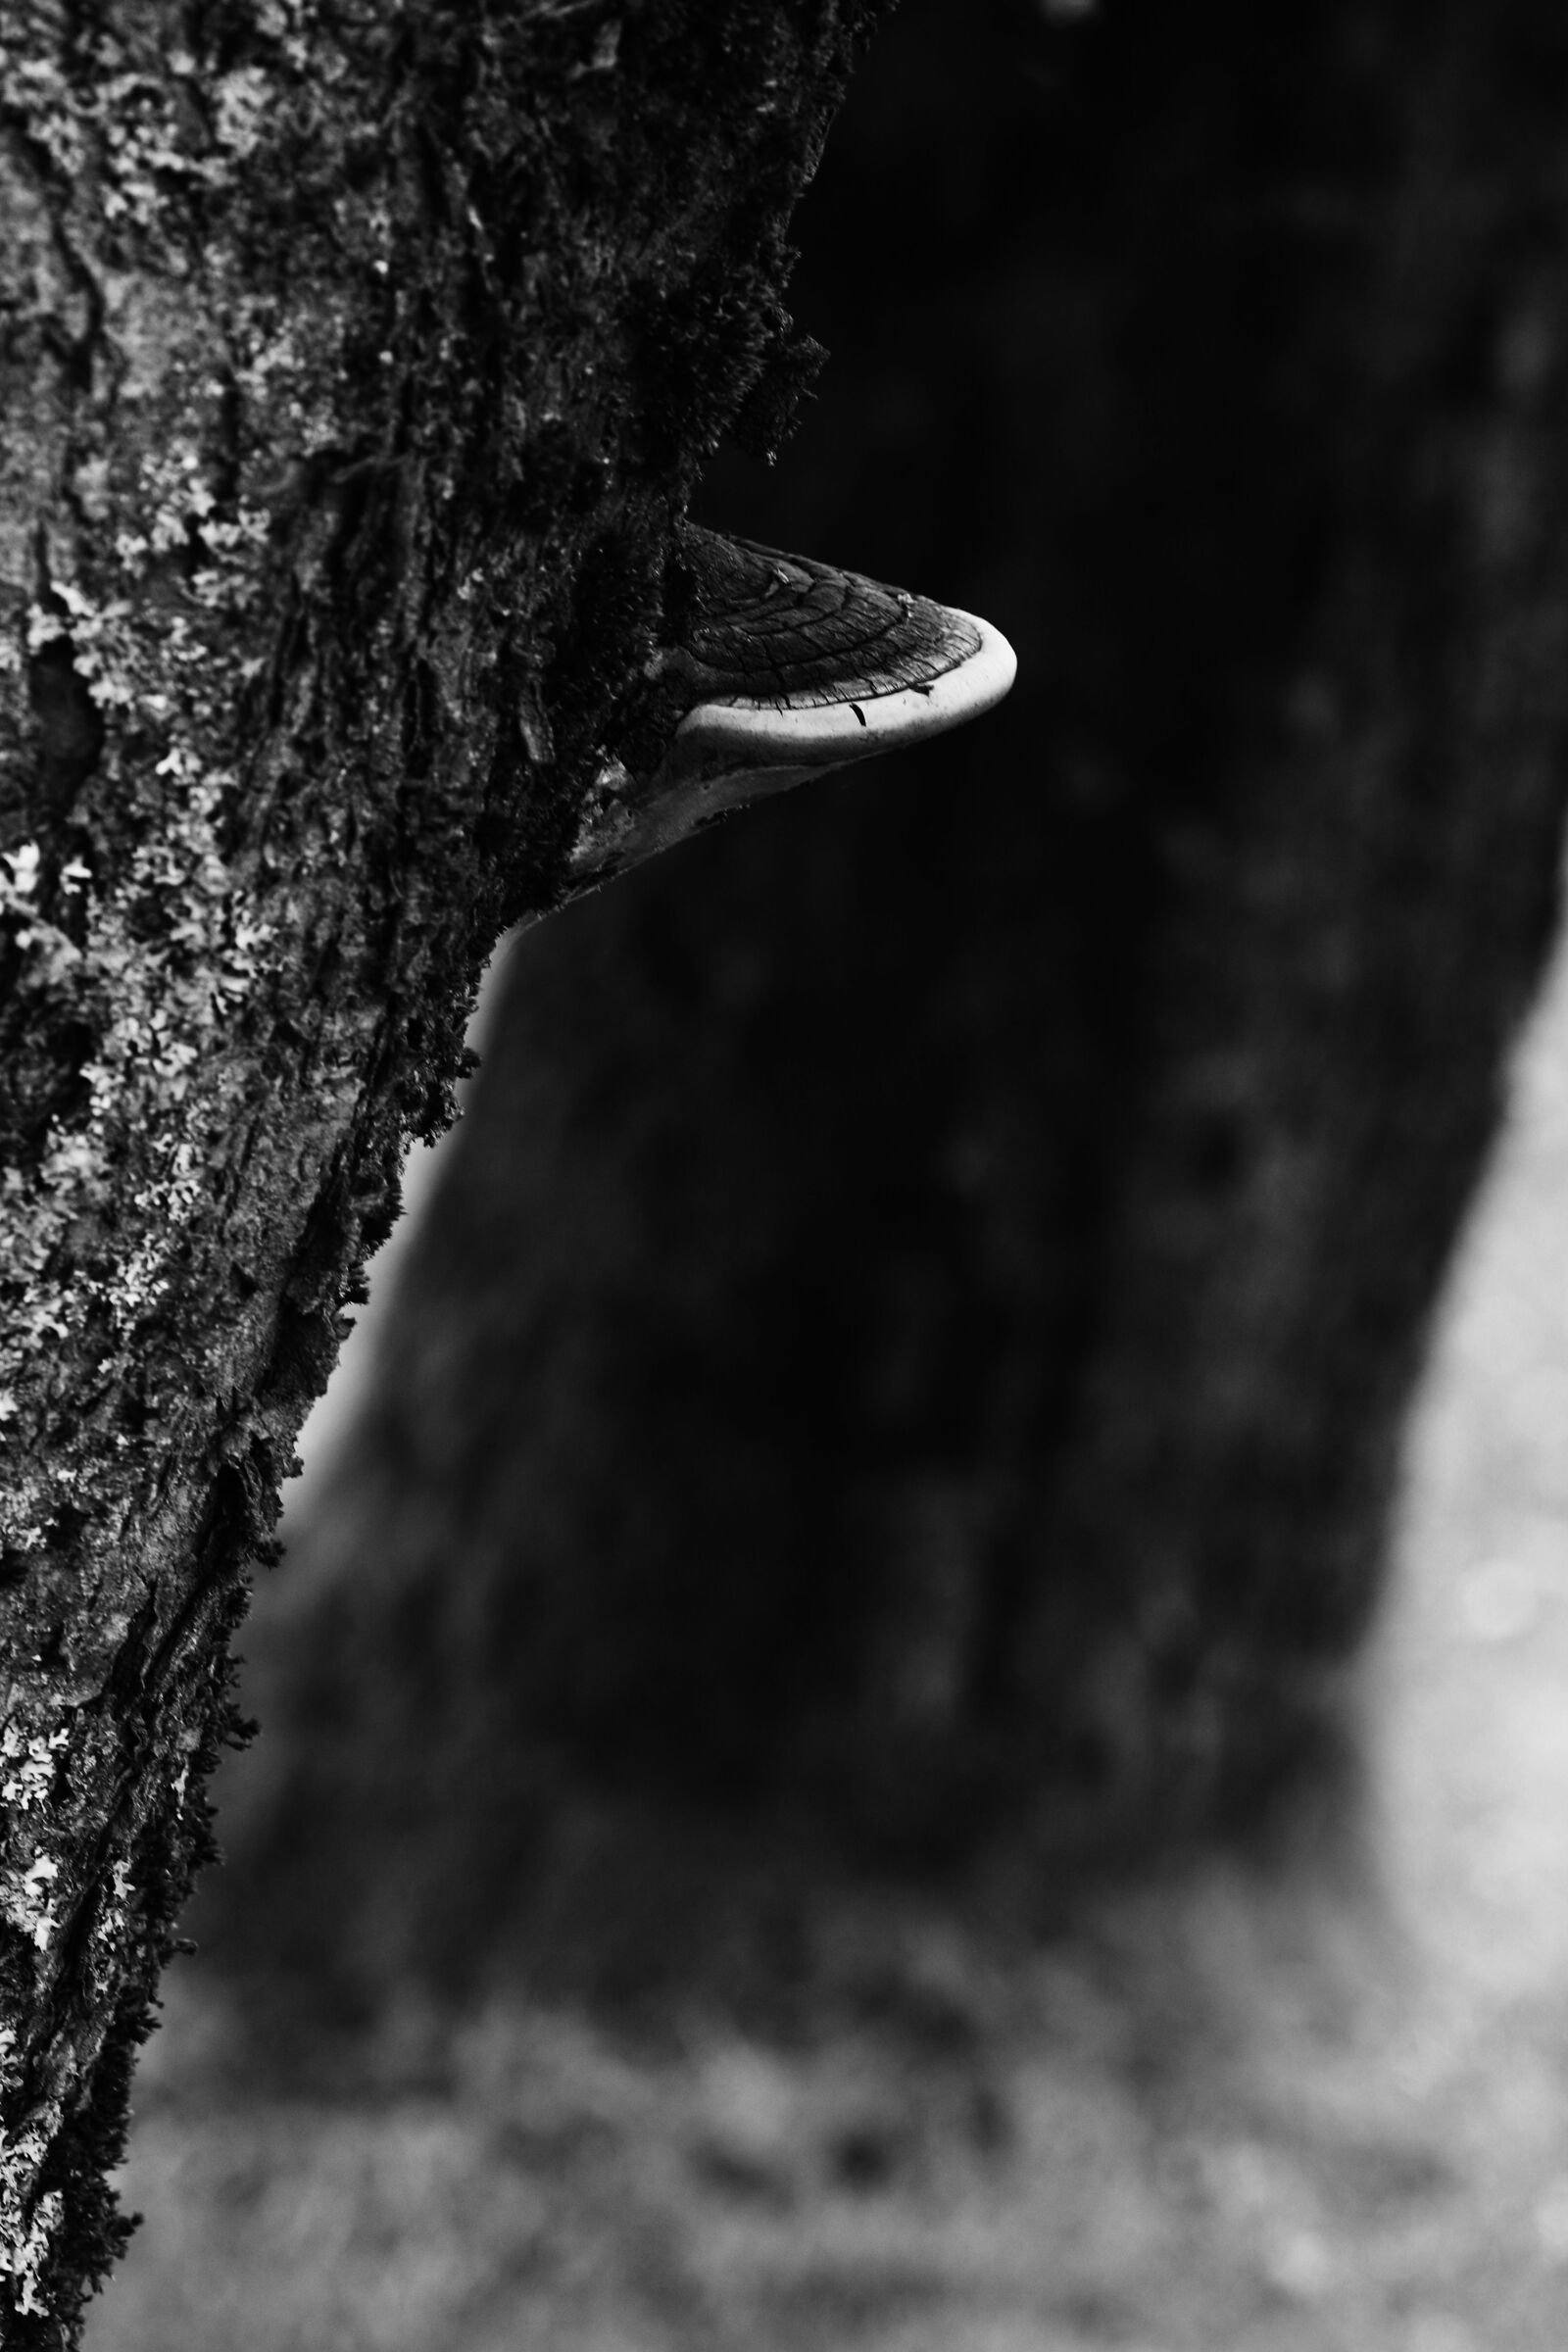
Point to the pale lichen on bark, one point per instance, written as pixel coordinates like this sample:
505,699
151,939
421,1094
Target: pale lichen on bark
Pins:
355,363
141,935
150,576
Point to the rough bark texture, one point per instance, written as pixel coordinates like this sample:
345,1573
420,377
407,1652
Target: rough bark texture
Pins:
356,359
992,1224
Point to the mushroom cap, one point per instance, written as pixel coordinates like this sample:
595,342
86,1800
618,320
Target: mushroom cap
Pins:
801,664
789,667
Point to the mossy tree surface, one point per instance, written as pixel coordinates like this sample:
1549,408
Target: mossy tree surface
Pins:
356,360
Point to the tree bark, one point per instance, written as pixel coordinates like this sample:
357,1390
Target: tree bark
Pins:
357,360
916,1331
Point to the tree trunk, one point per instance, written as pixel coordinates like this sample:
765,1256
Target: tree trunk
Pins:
357,362
916,1333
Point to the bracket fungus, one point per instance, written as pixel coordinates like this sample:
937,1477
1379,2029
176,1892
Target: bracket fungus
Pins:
780,669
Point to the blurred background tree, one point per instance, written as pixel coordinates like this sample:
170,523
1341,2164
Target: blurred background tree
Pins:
905,1363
